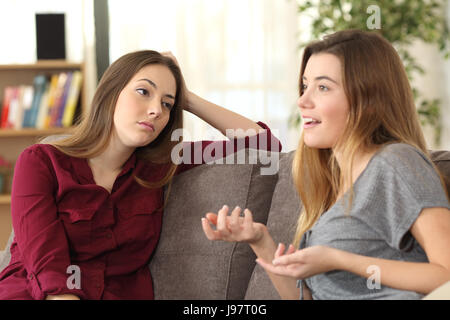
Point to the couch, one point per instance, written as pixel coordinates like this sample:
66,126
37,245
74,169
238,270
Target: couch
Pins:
186,265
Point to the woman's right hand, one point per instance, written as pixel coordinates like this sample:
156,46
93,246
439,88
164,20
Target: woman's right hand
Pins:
234,227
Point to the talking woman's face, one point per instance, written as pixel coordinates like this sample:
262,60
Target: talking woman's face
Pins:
323,104
143,107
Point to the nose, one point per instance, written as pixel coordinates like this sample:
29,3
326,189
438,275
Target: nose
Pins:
304,101
154,109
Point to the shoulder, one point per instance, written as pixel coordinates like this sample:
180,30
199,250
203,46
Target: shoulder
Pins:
43,155
402,157
402,168
43,151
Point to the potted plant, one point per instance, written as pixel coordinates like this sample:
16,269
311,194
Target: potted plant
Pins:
401,22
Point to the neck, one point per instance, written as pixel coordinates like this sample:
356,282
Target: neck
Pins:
113,158
360,162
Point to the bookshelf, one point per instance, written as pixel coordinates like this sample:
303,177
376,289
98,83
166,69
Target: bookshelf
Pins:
12,141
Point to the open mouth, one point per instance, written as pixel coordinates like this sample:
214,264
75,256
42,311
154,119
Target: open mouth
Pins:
310,121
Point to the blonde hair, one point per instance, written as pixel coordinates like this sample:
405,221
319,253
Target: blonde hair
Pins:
92,135
381,112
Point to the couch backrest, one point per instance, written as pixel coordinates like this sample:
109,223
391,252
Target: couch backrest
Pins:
186,265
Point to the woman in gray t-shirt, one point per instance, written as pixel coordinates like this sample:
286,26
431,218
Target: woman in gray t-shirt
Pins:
375,222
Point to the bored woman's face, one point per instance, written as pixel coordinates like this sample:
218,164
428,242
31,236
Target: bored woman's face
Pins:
143,107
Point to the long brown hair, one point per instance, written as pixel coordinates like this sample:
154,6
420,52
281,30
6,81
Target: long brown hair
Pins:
91,136
381,112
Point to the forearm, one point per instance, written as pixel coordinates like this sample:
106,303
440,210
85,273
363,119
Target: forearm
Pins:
220,118
265,249
411,276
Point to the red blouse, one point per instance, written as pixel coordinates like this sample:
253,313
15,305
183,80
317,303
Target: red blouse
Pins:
63,222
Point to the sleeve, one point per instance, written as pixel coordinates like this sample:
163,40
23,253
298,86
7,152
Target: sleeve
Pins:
201,152
406,183
39,233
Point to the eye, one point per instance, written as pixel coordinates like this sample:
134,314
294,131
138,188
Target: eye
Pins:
167,105
142,92
303,88
323,88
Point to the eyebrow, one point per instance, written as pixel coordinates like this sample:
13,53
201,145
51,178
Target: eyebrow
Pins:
156,87
322,78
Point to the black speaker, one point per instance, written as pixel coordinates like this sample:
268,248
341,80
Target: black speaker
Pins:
50,36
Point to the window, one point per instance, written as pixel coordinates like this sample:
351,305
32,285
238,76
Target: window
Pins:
240,54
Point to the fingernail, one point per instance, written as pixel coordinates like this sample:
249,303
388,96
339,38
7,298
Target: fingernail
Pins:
237,207
274,262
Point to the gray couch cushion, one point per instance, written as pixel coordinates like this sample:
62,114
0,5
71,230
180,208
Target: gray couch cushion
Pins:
282,220
5,256
442,160
186,265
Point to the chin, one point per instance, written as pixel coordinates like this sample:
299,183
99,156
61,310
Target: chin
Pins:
317,144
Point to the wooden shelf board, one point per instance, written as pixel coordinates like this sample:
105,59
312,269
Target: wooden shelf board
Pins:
42,64
31,132
5,199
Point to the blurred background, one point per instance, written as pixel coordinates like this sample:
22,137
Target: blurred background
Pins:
241,54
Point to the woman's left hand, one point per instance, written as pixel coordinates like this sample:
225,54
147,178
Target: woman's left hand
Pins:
301,264
170,55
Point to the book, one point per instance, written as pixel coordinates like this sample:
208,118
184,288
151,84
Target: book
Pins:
43,108
50,99
13,107
39,85
25,97
5,109
58,96
63,101
72,99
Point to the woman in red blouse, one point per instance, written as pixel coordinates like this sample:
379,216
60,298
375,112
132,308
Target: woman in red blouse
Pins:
87,209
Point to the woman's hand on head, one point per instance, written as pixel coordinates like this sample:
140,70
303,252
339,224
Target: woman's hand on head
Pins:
301,264
170,55
232,227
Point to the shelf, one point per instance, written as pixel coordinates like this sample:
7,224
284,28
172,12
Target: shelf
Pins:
42,64
31,132
5,199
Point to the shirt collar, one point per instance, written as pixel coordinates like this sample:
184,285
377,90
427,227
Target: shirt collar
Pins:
84,172
129,164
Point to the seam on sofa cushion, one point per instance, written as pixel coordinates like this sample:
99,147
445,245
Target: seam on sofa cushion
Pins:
253,174
230,264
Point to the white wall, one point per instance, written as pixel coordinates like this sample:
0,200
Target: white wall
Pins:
18,33
18,29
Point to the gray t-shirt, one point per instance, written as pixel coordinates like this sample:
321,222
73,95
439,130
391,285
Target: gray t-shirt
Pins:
389,195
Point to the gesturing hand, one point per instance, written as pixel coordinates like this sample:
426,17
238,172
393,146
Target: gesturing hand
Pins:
234,227
301,264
